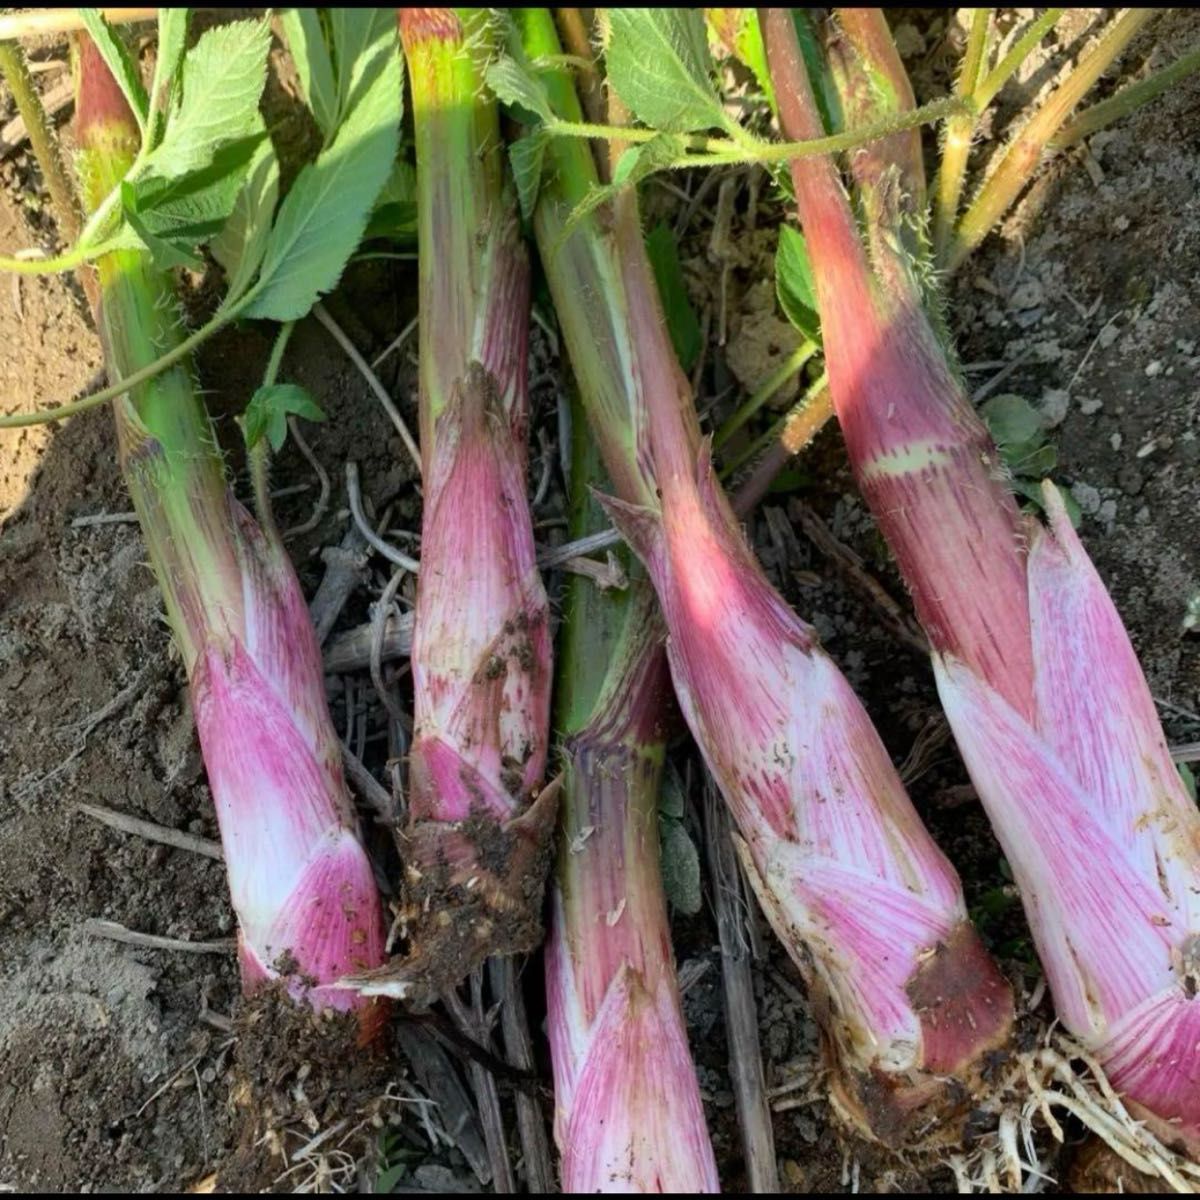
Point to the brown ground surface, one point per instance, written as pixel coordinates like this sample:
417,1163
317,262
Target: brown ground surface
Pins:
111,1075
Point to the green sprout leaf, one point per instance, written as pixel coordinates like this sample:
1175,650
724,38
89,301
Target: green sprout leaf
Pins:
526,156
794,283
323,216
682,323
302,30
223,79
268,411
174,217
240,245
658,63
395,213
172,37
1012,420
119,61
518,88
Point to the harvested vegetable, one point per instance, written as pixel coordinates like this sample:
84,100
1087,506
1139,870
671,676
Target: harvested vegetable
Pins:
1036,672
480,824
308,908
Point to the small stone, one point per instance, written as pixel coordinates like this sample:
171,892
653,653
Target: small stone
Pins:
1184,346
1029,294
1108,335
1120,224
1087,497
1090,406
1116,440
1142,516
1108,513
1154,368
1054,406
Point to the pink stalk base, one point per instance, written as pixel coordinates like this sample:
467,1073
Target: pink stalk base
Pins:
858,892
307,903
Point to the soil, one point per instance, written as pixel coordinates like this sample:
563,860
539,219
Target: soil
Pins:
122,1067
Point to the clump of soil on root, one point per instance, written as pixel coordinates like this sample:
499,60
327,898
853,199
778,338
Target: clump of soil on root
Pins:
301,1076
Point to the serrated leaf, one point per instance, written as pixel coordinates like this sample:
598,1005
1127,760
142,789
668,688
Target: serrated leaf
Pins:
353,31
634,165
240,245
658,63
306,43
268,411
165,253
119,61
682,323
516,87
680,866
322,218
223,79
173,217
172,37
794,282
526,155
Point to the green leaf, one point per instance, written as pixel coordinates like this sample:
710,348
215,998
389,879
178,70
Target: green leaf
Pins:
682,322
322,218
672,802
165,253
526,156
1012,420
302,30
353,31
1034,459
173,217
119,61
268,411
240,245
1189,780
634,165
172,37
223,79
658,63
395,213
518,88
794,283
680,866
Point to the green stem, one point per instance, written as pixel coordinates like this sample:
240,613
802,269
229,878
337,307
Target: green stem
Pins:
1095,118
1009,64
41,138
777,431
258,455
960,132
1025,154
75,257
43,416
786,371
726,150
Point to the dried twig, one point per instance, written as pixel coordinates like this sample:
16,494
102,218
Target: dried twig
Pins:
354,492
322,502
39,21
151,941
741,1019
344,566
152,832
369,788
351,651
364,369
539,1167
472,1023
